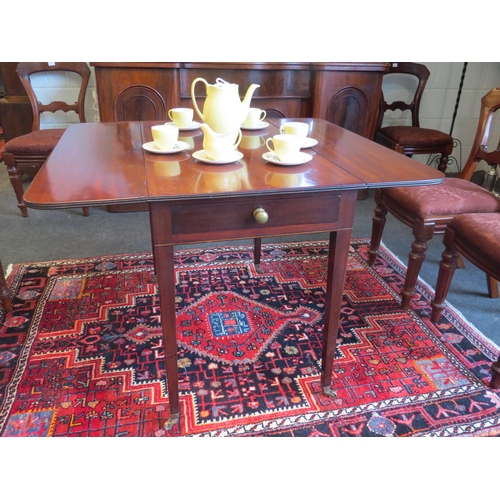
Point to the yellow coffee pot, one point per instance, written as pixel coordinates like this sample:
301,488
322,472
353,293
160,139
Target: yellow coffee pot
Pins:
223,110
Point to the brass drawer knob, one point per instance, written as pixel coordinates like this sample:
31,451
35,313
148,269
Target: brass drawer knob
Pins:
260,216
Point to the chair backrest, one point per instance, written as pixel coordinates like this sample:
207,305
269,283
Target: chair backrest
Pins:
422,74
26,69
490,103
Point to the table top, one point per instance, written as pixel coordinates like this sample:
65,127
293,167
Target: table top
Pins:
105,163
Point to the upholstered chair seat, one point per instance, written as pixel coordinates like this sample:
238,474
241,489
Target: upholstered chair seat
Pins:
417,137
454,196
483,232
37,142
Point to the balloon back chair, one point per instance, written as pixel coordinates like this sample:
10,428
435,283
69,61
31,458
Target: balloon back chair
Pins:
429,209
476,237
414,139
27,153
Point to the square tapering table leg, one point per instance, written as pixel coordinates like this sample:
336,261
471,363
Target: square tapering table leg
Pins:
338,254
163,254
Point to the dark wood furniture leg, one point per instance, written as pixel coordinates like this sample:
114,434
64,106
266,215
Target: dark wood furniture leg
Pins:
379,220
422,233
447,267
337,264
257,245
163,254
4,291
443,162
16,181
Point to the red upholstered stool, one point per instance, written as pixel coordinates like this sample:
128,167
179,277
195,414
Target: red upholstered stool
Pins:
429,209
476,237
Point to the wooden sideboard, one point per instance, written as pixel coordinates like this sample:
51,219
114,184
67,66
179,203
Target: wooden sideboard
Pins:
347,94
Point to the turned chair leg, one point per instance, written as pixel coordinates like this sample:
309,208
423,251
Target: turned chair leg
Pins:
443,163
16,181
447,268
379,220
422,233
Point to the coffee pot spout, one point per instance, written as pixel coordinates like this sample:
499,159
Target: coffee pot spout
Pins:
245,104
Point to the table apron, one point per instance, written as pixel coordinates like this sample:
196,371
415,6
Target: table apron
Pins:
192,221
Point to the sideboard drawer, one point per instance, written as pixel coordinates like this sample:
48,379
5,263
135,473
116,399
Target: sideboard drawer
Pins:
215,217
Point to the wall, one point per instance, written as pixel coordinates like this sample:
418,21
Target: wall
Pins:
437,107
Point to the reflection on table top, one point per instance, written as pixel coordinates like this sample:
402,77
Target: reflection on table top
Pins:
103,163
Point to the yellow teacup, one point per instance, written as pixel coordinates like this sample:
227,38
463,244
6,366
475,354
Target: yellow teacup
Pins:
165,136
182,117
254,117
286,146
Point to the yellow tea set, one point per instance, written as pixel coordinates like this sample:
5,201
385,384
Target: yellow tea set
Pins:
224,116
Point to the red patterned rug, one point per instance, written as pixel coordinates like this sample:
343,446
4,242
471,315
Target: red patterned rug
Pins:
81,354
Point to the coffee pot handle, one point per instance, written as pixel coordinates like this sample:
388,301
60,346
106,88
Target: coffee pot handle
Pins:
193,97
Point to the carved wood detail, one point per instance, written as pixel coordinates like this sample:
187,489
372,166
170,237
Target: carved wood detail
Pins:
139,102
348,108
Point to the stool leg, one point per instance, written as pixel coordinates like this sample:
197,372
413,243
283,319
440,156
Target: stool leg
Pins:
423,233
447,268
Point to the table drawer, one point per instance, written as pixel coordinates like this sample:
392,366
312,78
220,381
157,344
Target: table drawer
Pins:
213,217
